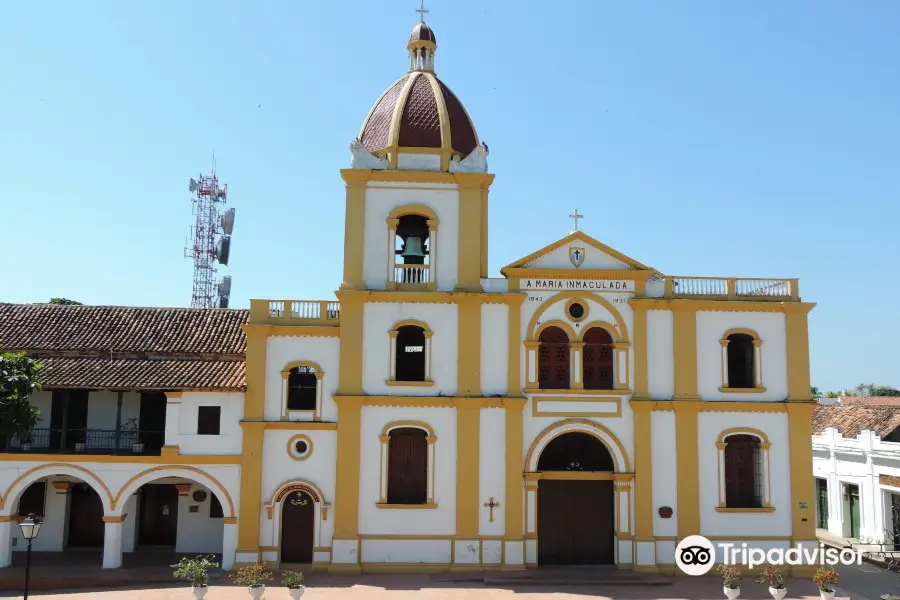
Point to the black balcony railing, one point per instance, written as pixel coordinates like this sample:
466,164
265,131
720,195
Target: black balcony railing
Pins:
88,441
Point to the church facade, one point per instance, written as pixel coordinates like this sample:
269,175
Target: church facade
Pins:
582,409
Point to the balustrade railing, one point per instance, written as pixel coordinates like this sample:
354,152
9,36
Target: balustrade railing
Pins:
732,288
88,441
295,312
412,274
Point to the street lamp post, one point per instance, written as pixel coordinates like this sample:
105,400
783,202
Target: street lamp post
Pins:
30,528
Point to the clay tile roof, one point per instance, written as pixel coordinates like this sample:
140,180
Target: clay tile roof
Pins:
125,347
870,400
850,421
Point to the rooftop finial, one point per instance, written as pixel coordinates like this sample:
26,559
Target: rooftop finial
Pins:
421,10
575,216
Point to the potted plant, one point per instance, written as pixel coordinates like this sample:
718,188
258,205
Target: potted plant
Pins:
254,577
195,571
130,427
825,578
293,581
26,443
731,574
774,577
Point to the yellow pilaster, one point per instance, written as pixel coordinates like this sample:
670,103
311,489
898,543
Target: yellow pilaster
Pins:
515,519
513,368
469,346
354,230
640,354
484,234
684,330
346,490
252,447
473,190
802,484
796,326
688,469
643,472
351,352
468,423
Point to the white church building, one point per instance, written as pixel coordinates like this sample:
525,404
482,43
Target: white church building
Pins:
582,408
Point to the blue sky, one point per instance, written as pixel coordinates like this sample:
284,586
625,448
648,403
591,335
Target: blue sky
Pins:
702,138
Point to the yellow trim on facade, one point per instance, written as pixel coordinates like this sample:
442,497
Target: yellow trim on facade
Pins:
688,467
584,304
740,330
578,236
297,485
721,305
49,467
643,470
346,489
415,209
797,341
802,486
252,432
416,424
731,390
228,501
764,509
468,438
570,332
299,425
763,438
548,435
354,230
394,383
514,495
425,506
605,325
532,328
615,412
468,364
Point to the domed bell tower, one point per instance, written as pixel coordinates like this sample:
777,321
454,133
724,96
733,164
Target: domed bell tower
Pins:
417,186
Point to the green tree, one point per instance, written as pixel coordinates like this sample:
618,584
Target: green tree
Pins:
815,392
832,395
870,389
19,377
65,301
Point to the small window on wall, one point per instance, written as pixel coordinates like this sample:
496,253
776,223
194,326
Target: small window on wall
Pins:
215,507
740,361
209,420
32,500
410,353
302,384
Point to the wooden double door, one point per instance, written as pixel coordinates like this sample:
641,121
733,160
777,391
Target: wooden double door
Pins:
86,527
575,522
158,521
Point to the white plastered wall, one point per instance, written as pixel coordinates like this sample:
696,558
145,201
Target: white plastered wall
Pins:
281,468
440,521
230,438
381,199
281,350
775,427
379,319
594,258
660,355
770,326
494,349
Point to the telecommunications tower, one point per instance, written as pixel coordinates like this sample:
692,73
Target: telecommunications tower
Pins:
210,241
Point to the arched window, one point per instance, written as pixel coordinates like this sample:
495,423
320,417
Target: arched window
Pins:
741,371
553,359
407,481
744,475
410,354
575,451
598,360
412,230
302,388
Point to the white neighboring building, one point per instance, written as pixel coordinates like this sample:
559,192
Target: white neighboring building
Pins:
856,463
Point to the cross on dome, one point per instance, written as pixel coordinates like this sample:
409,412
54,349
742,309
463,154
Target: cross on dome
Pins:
422,10
575,216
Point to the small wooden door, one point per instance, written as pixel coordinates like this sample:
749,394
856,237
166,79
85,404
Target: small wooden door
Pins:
854,511
822,503
297,528
158,515
152,422
86,525
575,523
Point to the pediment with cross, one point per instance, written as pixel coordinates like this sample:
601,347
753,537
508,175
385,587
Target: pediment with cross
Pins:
577,252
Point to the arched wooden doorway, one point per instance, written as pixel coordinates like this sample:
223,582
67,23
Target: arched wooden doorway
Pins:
575,508
298,515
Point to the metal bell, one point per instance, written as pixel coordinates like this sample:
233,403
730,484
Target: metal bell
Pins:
412,247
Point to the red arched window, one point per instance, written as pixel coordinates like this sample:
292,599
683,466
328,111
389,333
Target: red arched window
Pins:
598,360
743,472
553,359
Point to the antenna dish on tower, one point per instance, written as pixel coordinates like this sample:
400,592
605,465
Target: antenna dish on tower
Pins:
192,187
224,287
227,221
223,247
223,302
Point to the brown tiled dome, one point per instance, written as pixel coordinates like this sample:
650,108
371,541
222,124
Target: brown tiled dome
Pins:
422,33
431,117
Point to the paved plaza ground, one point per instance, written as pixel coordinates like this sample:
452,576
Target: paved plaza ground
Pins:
424,587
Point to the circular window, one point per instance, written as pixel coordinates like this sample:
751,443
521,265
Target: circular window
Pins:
576,311
300,447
